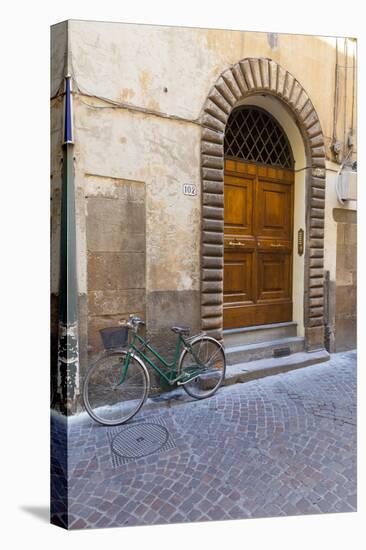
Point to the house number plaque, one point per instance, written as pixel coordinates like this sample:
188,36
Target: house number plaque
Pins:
189,189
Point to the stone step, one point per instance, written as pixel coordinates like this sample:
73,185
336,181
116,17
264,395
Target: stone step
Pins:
243,372
259,333
263,350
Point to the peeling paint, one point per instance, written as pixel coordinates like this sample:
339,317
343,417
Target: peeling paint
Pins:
154,104
145,80
68,365
127,94
272,38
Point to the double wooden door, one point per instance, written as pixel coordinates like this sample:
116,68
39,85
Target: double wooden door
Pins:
258,244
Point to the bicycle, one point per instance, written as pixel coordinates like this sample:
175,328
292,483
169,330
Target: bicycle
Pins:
117,384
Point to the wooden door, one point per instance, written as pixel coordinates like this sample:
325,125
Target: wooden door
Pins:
257,244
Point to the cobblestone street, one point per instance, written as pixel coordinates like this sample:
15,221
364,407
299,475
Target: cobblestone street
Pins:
282,445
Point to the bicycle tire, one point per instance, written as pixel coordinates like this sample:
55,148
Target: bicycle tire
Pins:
212,354
110,403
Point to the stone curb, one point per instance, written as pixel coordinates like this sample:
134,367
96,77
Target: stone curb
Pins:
245,372
235,374
253,370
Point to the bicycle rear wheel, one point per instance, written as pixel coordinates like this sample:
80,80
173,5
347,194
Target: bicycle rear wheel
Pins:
108,401
207,355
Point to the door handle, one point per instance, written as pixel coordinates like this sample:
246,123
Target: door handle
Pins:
276,245
232,243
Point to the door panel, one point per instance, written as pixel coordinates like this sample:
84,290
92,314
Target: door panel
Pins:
257,244
238,204
273,210
238,274
273,276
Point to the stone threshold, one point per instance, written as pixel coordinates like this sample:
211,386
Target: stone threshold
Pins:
259,328
243,372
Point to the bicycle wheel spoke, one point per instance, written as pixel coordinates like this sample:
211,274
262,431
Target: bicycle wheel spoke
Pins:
107,399
215,353
205,361
112,378
202,352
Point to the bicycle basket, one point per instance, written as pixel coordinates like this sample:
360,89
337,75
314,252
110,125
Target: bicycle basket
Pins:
114,337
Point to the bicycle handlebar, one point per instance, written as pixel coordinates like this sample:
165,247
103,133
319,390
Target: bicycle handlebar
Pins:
134,322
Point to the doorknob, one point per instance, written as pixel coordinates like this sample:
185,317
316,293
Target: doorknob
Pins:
276,245
237,243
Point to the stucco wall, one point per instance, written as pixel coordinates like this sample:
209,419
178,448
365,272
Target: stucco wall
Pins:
58,56
156,80
135,63
345,325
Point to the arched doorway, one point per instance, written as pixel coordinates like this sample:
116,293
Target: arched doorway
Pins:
258,220
247,78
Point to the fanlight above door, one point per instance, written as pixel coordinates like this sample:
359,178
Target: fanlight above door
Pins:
252,134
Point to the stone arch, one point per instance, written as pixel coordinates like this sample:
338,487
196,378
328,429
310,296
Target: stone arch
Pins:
253,76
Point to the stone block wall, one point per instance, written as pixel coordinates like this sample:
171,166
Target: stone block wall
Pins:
346,280
115,231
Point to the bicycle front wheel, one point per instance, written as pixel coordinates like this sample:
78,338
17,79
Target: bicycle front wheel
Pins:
106,399
206,357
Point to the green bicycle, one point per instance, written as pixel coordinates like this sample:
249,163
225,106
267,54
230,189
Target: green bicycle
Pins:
118,383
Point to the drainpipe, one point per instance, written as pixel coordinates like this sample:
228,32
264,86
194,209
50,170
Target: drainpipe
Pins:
345,141
335,145
68,344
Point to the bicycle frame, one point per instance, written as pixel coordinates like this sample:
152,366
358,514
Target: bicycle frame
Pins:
172,376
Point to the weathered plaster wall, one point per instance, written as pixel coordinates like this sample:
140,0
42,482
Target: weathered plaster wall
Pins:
115,231
58,56
346,280
136,63
331,203
168,72
162,155
341,313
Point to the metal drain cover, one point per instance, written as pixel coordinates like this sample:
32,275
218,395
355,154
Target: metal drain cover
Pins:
139,440
281,352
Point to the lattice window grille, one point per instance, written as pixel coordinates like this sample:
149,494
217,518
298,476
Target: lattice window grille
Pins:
252,134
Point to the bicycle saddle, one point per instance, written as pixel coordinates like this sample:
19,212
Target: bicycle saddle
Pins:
181,330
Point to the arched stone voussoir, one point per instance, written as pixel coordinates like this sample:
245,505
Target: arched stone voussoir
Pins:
213,109
256,73
238,75
230,81
247,77
212,136
264,68
247,74
225,91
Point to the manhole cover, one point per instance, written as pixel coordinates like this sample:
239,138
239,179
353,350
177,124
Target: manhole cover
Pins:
139,440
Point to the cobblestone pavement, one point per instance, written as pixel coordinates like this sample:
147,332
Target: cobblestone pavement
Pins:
278,446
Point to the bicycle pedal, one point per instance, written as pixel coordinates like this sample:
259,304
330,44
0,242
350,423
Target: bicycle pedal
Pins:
182,382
